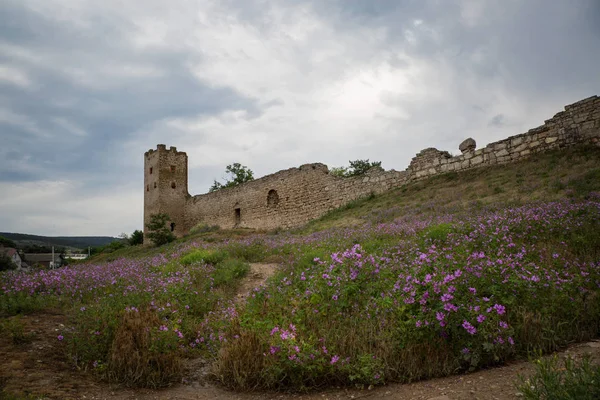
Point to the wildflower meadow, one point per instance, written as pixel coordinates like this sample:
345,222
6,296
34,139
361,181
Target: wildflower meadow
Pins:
398,301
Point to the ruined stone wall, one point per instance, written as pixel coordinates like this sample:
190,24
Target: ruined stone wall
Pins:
295,196
579,123
285,199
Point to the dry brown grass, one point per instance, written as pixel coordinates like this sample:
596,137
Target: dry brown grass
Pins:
133,359
241,362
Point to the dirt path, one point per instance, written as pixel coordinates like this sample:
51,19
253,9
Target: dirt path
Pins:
259,273
40,367
491,384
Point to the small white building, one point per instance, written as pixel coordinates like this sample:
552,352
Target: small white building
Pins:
75,256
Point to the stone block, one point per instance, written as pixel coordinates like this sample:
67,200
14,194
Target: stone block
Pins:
521,147
502,153
477,160
551,139
516,141
467,145
500,146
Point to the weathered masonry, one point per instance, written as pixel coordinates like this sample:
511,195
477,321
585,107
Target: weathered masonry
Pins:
297,195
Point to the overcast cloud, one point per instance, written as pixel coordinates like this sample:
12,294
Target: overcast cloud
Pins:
87,86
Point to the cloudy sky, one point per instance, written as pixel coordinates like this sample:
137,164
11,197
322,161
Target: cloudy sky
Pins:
87,86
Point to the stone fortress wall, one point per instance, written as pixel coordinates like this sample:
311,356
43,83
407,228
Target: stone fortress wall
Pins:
295,196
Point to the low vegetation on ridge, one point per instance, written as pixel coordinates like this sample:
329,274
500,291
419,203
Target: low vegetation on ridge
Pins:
436,279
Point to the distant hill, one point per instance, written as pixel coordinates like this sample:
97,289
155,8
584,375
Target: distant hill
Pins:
77,242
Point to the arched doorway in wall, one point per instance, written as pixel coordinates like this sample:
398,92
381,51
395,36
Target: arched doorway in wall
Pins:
272,198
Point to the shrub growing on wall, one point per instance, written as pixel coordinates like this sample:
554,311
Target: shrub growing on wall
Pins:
238,174
357,167
158,231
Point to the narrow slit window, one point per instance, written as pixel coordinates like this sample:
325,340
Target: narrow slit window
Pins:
238,216
147,188
154,185
272,198
172,168
150,170
173,185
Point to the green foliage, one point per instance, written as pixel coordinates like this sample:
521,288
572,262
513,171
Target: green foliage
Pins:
158,231
339,171
585,184
212,257
238,174
573,380
315,312
136,238
110,247
357,167
438,233
21,303
15,329
202,228
7,242
229,272
6,263
250,252
38,249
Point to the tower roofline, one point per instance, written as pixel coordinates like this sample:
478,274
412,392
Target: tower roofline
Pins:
163,147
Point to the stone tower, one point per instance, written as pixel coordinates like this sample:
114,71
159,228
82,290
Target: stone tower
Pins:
166,186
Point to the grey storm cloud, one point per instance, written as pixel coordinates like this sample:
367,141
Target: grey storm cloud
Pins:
86,87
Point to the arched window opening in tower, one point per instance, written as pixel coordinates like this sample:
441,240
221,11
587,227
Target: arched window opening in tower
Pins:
272,198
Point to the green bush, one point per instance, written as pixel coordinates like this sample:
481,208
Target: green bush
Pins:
213,257
230,271
136,238
158,231
553,381
438,233
357,167
6,263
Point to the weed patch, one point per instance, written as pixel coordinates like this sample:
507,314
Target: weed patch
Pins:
569,379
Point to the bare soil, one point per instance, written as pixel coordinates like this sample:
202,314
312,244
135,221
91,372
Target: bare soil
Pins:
40,369
259,273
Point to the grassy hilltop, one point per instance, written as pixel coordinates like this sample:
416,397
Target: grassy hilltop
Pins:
449,274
